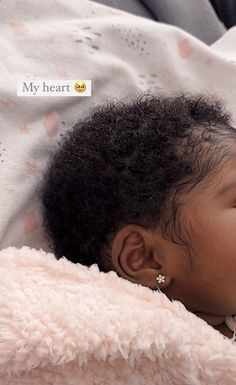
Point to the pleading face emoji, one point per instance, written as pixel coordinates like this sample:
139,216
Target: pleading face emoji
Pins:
80,86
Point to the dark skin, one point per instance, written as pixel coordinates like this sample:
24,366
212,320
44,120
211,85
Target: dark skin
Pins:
223,328
203,279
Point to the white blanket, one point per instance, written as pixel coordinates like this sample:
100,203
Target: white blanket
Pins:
67,324
121,53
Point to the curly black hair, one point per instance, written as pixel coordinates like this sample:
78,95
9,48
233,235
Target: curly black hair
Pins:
129,163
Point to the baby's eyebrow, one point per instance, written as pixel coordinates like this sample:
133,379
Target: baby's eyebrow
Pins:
226,188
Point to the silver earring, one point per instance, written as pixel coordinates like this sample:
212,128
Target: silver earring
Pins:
161,278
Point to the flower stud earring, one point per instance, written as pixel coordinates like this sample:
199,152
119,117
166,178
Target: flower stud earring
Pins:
160,278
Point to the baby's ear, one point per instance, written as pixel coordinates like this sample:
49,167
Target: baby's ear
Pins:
133,253
129,252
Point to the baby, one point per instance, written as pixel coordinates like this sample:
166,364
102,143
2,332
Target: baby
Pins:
148,189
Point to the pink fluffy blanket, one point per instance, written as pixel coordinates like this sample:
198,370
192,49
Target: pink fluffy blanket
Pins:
62,323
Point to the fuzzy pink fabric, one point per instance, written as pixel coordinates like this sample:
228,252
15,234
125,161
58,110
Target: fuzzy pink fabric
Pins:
62,323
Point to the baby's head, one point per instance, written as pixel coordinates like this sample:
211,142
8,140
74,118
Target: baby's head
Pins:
142,188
